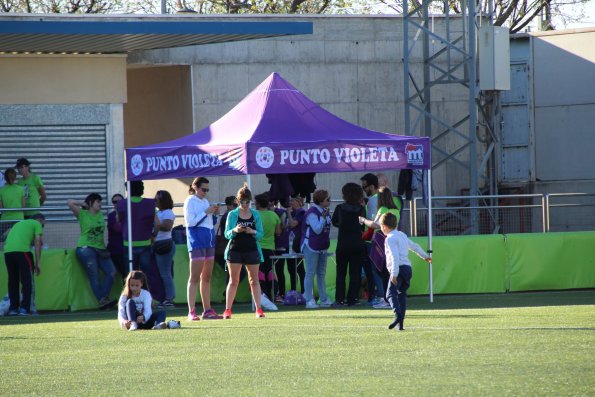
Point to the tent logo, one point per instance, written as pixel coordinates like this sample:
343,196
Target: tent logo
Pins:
265,157
136,164
415,154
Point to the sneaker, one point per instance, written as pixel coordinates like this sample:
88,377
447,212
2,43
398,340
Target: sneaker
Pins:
375,301
326,303
161,325
133,326
173,324
312,304
396,322
227,314
192,316
279,299
104,301
382,305
13,313
23,312
166,304
267,304
259,313
338,305
211,315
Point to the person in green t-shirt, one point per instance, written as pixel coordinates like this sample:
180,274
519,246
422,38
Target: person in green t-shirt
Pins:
271,225
20,264
386,204
11,196
34,190
90,249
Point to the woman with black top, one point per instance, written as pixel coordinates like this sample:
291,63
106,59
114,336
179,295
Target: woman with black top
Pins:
350,245
244,230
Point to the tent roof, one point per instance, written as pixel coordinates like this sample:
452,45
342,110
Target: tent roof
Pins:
277,124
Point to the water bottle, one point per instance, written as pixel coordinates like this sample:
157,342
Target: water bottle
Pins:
291,237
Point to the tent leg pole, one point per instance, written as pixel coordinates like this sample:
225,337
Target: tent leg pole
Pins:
129,225
429,187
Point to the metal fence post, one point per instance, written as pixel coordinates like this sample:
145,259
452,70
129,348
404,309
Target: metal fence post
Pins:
546,212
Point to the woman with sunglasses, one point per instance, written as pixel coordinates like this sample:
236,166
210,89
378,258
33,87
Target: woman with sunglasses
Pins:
315,242
244,231
200,218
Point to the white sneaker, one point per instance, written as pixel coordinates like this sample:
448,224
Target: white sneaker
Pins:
382,305
161,325
312,304
325,303
173,324
133,326
267,304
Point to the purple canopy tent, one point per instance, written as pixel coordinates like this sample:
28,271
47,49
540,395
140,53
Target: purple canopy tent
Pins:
277,129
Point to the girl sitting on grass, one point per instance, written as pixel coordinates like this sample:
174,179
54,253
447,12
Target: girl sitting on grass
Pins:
134,307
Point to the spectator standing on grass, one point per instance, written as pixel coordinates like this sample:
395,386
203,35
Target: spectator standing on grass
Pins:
221,241
281,246
200,219
244,230
295,217
164,247
386,204
369,183
11,196
35,194
134,306
90,249
20,264
115,241
397,246
271,226
350,245
143,216
315,242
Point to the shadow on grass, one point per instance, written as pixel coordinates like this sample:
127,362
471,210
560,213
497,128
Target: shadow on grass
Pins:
417,303
516,299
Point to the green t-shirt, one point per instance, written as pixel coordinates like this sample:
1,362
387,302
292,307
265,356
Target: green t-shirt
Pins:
92,230
270,220
22,235
31,185
11,196
384,210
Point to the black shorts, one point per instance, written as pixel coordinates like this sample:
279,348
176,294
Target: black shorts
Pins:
245,258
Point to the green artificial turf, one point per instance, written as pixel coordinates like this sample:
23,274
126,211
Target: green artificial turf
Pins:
475,345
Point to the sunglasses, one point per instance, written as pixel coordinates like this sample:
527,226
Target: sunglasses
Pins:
244,202
204,189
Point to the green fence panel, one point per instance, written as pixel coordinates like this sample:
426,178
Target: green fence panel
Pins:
461,265
81,295
551,261
51,286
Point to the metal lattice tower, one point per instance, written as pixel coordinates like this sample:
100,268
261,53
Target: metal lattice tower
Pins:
452,61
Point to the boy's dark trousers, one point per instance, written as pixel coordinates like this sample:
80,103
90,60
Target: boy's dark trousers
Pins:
397,294
19,266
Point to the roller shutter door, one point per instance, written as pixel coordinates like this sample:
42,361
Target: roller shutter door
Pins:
71,160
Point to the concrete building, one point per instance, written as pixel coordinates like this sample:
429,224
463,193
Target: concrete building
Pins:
75,113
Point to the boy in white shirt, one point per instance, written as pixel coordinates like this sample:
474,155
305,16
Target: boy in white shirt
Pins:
396,248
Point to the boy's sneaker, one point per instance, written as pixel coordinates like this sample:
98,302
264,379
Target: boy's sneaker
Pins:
173,324
312,304
161,325
13,313
133,326
23,312
211,315
227,314
192,316
259,313
325,303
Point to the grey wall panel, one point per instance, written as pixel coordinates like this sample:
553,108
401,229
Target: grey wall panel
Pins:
565,142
